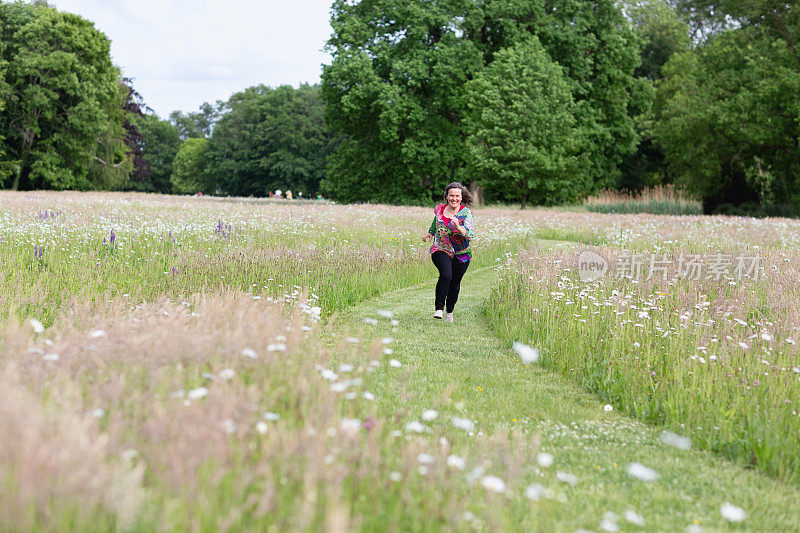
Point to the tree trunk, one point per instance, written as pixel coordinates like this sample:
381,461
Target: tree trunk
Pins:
524,198
477,192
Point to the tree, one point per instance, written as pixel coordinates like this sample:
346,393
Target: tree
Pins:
195,124
523,134
399,71
160,142
269,139
729,119
189,169
62,85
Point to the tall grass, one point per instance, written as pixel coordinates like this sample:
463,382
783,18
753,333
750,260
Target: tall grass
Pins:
714,359
658,200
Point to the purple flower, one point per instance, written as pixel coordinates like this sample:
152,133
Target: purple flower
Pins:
756,383
113,236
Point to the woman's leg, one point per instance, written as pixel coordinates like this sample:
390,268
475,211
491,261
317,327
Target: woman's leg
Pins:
445,266
458,269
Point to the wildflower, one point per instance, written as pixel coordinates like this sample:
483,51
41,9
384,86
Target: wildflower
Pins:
371,321
228,373
98,413
545,460
425,458
272,416
395,476
415,427
96,334
743,345
608,525
429,415
608,407
351,426
641,472
345,368
261,427
535,492
455,461
199,392
330,375
676,441
634,518
368,396
527,354
50,357
494,484
229,426
36,326
369,423
386,340
352,340
385,314
394,363
276,347
566,477
249,352
731,513
388,351
463,423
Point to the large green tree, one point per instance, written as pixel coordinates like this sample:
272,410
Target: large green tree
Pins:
397,80
269,139
729,118
190,167
523,135
160,142
198,123
62,89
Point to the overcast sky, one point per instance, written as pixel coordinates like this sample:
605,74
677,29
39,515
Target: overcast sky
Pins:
182,53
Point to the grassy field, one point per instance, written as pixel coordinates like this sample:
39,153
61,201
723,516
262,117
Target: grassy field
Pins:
177,363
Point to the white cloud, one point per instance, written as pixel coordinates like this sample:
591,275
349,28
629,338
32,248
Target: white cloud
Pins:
182,53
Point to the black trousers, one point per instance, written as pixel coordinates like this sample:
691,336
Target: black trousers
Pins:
451,270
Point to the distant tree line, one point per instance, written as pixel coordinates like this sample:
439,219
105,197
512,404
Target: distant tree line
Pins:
532,101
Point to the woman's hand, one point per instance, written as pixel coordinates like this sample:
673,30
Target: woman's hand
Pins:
427,237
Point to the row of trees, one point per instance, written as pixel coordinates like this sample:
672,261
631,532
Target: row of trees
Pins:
546,101
69,120
536,101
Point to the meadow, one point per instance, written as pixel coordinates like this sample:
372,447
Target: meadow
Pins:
181,363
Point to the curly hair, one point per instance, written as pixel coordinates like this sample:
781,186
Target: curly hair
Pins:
466,196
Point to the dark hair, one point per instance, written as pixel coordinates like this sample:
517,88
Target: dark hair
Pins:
466,196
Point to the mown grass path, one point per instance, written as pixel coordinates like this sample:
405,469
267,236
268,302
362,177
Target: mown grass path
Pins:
462,369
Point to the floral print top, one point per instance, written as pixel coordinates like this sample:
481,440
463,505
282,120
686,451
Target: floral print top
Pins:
446,238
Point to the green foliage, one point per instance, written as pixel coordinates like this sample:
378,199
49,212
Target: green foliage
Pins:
269,139
729,119
195,124
189,168
523,137
62,87
399,71
160,144
111,164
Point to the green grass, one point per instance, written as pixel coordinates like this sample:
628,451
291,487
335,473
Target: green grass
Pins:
462,369
713,360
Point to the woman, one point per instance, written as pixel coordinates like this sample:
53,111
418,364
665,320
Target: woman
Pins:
451,232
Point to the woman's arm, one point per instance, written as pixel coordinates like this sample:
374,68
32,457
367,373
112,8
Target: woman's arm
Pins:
465,226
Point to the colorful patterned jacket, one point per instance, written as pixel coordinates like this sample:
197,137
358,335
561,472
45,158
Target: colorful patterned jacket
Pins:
447,239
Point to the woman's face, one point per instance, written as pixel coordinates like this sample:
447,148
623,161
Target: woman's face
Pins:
454,198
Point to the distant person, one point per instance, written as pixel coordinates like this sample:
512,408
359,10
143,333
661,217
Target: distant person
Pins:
278,193
451,232
288,195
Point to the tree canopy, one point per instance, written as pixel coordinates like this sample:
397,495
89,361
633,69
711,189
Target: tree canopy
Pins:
396,85
59,89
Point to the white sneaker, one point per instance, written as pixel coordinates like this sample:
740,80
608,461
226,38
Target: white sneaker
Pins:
438,313
448,317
